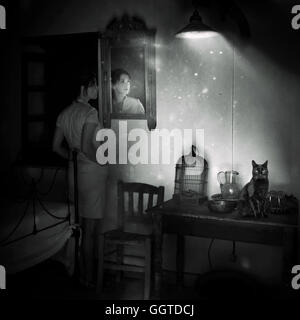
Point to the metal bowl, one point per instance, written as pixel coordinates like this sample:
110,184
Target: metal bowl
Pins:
222,205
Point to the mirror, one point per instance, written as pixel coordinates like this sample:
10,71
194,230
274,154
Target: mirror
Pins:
128,71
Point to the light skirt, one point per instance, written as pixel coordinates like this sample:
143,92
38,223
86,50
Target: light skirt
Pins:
92,188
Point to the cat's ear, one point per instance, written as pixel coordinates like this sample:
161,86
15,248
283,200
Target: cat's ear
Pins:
254,164
265,164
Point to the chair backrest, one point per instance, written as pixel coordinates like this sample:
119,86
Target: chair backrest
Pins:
137,191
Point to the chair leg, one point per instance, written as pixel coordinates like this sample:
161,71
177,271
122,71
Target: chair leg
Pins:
100,263
147,285
120,257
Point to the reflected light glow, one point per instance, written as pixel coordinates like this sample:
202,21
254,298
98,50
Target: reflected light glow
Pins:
196,34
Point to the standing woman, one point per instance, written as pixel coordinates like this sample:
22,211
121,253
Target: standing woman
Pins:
78,124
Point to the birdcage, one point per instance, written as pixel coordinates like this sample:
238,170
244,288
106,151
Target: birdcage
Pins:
191,178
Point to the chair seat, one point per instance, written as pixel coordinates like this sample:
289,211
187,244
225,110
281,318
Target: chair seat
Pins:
121,237
139,224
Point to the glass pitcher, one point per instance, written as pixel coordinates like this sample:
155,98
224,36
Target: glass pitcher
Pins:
228,184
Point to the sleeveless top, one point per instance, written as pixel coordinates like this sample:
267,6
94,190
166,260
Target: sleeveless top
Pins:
71,121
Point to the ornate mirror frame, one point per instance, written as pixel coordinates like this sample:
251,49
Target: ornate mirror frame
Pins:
128,41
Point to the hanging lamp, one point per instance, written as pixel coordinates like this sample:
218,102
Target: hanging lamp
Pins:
196,29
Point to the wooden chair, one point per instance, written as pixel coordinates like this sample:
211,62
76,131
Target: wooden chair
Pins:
134,230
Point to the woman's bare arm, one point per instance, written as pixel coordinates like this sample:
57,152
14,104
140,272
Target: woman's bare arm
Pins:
57,144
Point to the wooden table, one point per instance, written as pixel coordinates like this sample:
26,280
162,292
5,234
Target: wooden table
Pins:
188,219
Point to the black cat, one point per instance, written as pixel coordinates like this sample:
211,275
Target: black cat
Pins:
252,199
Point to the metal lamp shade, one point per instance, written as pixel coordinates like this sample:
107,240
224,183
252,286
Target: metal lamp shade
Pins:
196,29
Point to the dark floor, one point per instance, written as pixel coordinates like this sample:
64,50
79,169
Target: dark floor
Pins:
49,280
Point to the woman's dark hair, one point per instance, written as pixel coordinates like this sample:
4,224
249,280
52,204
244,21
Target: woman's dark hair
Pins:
86,80
116,75
71,89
